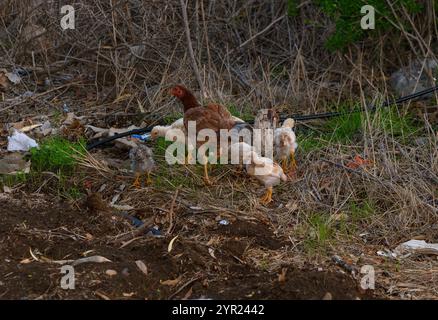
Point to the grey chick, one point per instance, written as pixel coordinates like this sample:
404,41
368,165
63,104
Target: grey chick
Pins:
142,162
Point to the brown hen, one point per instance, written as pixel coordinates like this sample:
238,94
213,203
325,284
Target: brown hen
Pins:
211,116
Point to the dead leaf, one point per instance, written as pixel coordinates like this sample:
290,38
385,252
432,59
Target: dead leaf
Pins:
26,261
95,259
140,264
32,31
211,252
171,283
357,162
13,77
111,272
282,275
4,81
170,247
188,294
101,295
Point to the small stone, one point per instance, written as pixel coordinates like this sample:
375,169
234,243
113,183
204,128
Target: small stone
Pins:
111,272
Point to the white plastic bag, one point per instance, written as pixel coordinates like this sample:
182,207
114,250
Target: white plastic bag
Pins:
20,142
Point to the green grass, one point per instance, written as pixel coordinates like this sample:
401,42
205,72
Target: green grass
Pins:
243,112
56,155
320,232
343,129
172,117
11,180
347,128
390,120
310,142
72,193
361,211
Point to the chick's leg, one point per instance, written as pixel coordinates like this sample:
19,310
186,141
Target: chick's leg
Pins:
148,178
283,163
137,183
267,198
293,163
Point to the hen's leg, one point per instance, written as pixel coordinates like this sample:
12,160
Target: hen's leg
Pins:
267,198
206,178
137,183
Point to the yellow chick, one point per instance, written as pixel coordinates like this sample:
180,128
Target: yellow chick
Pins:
267,172
285,145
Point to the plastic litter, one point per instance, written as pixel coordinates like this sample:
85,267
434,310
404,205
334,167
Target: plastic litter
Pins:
417,246
224,222
20,142
142,137
155,232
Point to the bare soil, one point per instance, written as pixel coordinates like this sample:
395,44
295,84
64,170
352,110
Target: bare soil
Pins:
58,231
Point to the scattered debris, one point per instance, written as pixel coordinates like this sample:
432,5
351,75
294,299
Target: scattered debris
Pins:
224,222
171,283
338,260
13,163
13,77
4,81
155,232
211,252
416,246
46,128
140,264
282,275
111,272
142,137
357,162
170,247
20,142
387,254
103,132
92,259
418,76
136,222
327,296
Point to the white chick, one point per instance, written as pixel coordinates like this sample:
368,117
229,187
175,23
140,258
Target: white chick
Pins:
240,153
160,131
267,172
285,145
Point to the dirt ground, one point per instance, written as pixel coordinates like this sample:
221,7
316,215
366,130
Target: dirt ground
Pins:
58,231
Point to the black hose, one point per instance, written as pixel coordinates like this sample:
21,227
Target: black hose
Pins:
306,117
